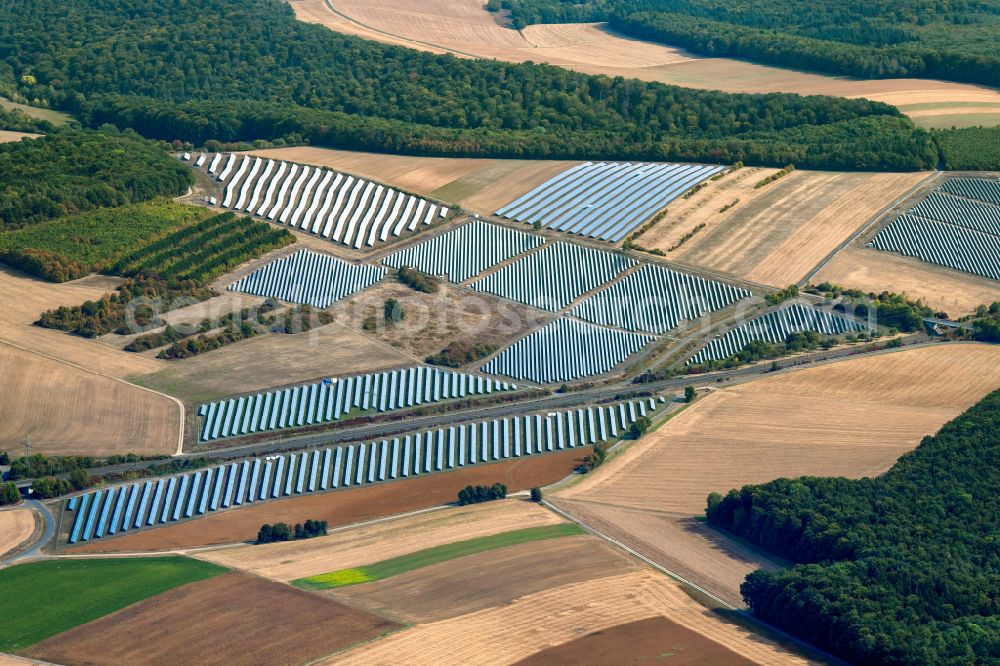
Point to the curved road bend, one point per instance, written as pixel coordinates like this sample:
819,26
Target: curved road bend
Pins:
47,532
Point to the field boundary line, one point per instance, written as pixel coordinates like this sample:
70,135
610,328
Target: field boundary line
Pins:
180,405
877,219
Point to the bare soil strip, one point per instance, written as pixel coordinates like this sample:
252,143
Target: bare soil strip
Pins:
381,541
344,507
538,621
232,618
655,638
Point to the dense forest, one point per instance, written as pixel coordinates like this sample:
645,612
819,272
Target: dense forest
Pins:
898,569
243,70
897,38
72,171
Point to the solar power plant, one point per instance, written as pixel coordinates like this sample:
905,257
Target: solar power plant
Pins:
310,278
465,252
565,350
950,245
957,210
605,200
99,514
775,327
983,189
330,400
654,299
554,276
339,207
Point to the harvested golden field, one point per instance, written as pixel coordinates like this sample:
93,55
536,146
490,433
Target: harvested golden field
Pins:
226,619
463,28
432,321
686,546
953,292
345,507
851,418
8,136
776,234
365,544
558,615
25,298
65,410
16,527
652,638
480,185
273,360
458,587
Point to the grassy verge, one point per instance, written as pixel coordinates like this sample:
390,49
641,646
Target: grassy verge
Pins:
436,555
48,598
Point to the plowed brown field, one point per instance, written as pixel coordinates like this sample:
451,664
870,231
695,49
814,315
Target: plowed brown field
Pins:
16,527
776,234
535,622
655,638
458,587
850,418
345,507
479,185
366,544
463,28
228,619
953,292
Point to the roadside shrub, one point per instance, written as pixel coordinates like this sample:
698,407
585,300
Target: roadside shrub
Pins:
9,494
418,280
477,494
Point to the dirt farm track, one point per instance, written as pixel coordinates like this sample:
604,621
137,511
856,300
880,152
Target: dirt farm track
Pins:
463,28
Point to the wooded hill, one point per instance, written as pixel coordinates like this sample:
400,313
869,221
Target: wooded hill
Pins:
902,38
898,569
243,70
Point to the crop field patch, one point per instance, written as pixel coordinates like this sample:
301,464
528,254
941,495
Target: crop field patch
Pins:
341,208
605,201
309,278
232,618
465,252
435,555
457,587
115,510
16,527
565,350
541,279
653,299
775,327
57,595
332,399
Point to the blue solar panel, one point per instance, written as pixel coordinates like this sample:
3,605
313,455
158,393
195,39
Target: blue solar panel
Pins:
154,507
119,506
143,502
95,509
78,519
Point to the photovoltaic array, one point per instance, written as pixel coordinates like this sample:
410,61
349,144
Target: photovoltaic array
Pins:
329,400
344,209
605,200
103,513
465,252
565,350
310,278
956,226
654,299
775,327
554,276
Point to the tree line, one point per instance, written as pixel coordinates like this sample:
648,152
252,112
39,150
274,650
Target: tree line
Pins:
195,71
477,494
895,569
282,532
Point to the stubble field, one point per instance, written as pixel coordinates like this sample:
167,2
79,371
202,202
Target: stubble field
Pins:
776,234
357,546
16,527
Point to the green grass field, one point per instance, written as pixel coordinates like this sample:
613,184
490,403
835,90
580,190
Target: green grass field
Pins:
42,599
54,117
436,555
